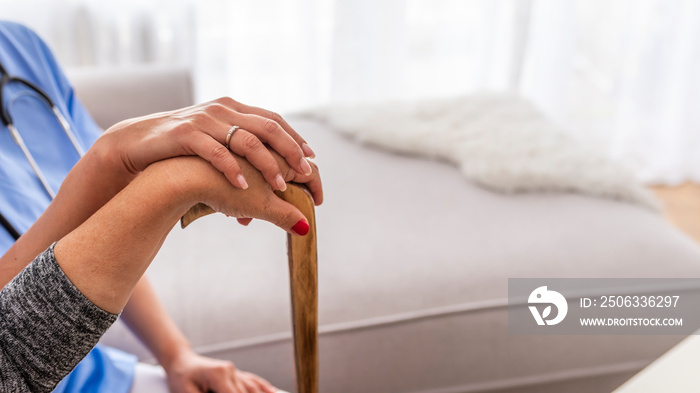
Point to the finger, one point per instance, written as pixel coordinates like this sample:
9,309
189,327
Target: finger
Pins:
266,388
315,186
220,157
243,108
286,216
270,132
225,385
263,384
313,181
240,386
244,221
250,385
188,387
247,145
266,129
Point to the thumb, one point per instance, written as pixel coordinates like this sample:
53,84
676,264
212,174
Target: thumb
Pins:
287,216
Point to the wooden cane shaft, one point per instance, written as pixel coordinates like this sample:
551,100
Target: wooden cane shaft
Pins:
303,268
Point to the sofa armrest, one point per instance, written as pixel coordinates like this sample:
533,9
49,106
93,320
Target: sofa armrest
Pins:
115,94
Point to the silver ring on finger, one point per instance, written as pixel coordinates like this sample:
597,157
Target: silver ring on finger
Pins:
229,135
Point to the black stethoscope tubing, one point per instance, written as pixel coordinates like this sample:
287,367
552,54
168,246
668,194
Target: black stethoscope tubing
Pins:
9,227
7,78
7,122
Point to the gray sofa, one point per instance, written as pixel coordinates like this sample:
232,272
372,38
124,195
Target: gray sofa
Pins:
412,275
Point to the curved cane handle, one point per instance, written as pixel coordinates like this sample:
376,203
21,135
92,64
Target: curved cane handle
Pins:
197,211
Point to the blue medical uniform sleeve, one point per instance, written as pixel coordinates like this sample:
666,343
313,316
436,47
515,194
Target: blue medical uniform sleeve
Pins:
103,370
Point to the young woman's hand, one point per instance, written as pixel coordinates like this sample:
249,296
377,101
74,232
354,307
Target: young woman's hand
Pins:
201,130
192,373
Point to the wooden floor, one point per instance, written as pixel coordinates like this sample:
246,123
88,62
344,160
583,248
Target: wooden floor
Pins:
682,205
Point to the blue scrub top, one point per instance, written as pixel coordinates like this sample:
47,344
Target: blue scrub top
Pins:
22,196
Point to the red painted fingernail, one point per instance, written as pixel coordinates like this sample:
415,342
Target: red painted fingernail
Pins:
301,228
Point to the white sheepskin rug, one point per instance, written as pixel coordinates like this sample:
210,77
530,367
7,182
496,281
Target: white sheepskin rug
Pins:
500,142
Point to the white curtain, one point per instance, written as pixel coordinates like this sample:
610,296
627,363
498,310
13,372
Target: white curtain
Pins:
623,74
105,33
616,73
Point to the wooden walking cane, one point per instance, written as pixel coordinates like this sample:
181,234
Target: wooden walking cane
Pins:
301,251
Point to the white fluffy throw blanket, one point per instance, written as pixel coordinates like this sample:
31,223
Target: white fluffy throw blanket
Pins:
500,142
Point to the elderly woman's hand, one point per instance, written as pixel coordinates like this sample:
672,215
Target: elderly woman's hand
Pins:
199,182
201,130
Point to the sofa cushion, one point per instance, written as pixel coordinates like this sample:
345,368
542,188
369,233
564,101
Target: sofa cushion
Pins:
413,269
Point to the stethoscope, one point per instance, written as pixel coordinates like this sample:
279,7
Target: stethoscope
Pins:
5,79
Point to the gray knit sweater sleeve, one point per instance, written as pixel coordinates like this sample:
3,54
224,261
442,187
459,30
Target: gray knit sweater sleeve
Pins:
46,327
